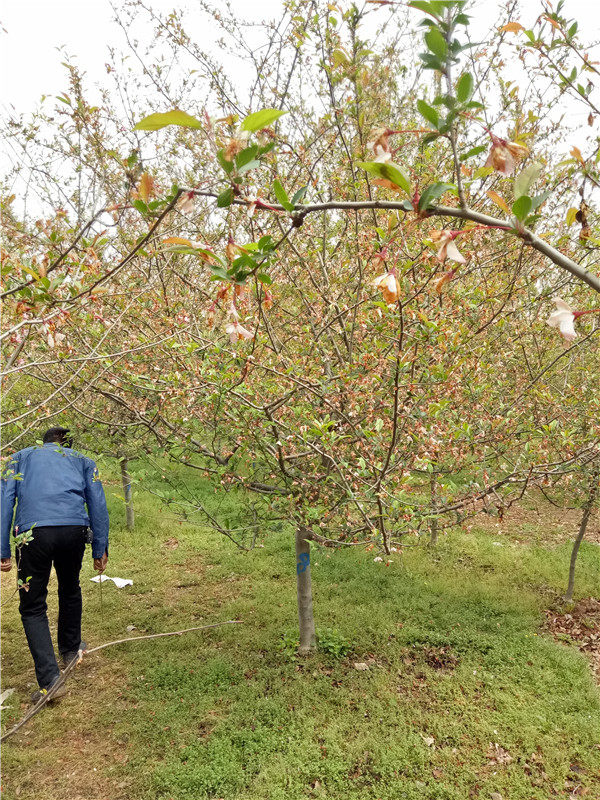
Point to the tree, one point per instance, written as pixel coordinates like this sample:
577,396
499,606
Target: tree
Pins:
272,304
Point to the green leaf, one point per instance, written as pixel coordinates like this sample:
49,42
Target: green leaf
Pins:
225,198
155,122
266,148
338,57
260,119
299,195
434,39
528,176
250,165
422,5
227,165
389,172
431,62
430,137
537,201
474,151
246,156
263,278
430,114
140,206
281,196
265,242
464,87
434,192
522,207
218,274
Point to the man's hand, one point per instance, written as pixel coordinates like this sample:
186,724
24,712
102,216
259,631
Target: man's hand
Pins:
100,563
6,565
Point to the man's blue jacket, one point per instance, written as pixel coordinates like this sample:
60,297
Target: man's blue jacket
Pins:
52,485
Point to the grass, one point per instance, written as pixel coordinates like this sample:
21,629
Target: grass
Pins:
463,696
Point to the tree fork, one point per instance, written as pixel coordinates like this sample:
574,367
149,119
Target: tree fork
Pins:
306,620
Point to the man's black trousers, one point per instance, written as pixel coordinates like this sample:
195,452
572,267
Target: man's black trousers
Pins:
62,546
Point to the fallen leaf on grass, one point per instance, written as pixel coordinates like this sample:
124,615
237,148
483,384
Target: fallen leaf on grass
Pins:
429,740
498,755
361,666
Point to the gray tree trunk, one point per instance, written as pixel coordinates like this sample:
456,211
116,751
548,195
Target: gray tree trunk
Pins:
308,638
126,480
587,513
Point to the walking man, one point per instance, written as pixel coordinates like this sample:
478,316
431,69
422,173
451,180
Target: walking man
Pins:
52,485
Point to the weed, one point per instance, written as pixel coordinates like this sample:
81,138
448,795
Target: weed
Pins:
287,645
333,643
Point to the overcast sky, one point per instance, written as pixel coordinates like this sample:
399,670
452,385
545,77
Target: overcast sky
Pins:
39,33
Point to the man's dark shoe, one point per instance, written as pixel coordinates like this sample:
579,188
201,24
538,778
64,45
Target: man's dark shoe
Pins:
37,695
66,658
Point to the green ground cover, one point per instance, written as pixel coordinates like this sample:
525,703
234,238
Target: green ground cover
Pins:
463,696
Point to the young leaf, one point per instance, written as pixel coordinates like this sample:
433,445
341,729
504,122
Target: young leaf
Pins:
500,202
390,172
155,122
512,27
260,119
464,87
522,207
146,187
571,215
171,240
528,176
281,196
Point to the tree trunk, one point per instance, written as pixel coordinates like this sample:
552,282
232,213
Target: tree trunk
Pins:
308,638
126,480
587,512
433,522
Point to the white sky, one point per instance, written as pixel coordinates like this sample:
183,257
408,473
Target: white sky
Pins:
36,31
